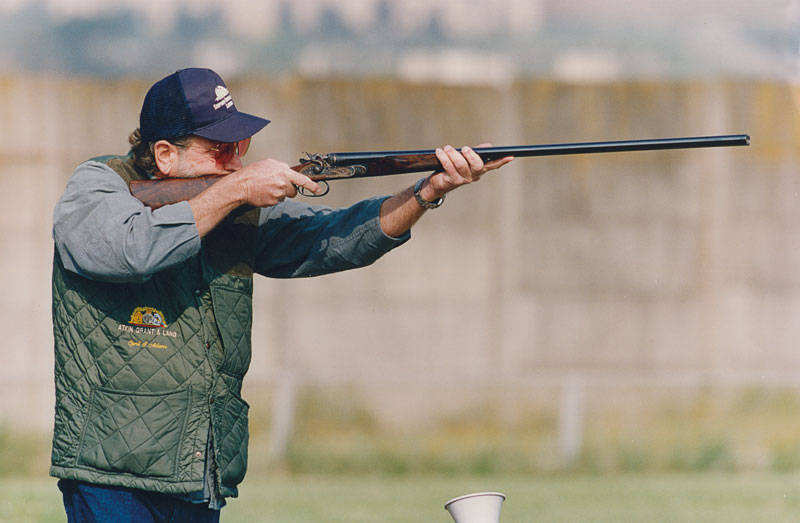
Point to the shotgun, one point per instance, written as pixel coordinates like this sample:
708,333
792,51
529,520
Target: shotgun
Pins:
335,166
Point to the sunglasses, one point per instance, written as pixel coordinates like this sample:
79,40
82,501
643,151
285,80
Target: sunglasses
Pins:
223,152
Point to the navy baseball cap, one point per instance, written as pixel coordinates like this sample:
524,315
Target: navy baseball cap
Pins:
194,101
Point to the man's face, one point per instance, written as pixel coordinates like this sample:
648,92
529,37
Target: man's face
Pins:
203,156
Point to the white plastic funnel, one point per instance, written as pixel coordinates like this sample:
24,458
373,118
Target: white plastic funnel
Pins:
481,507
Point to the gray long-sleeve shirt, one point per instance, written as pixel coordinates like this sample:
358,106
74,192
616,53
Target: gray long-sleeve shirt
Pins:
104,233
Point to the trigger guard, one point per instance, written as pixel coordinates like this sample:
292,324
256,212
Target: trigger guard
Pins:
305,192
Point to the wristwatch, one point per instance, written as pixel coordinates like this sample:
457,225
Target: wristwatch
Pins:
425,204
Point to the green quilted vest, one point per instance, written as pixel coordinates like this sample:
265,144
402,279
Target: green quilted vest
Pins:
142,369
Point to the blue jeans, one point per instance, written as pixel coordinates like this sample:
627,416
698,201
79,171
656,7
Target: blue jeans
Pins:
86,503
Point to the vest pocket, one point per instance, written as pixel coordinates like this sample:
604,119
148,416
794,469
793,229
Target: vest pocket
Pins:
231,434
134,433
233,313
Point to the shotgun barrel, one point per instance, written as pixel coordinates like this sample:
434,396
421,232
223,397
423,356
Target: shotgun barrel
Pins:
378,163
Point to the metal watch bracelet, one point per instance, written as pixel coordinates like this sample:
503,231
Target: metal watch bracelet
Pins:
425,204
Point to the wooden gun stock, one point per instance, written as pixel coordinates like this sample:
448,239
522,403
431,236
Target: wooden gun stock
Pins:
321,168
158,192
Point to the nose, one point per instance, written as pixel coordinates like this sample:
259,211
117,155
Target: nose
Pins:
234,164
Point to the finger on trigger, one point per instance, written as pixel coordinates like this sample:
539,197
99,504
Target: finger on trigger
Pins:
301,180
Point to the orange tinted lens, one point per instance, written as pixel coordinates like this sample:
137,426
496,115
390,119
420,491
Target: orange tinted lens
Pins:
243,146
225,152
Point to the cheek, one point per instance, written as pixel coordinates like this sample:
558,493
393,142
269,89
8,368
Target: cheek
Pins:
190,167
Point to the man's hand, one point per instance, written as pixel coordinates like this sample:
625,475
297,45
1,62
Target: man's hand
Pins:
401,211
260,184
459,168
267,182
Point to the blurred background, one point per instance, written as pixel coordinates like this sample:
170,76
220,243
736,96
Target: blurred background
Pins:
633,314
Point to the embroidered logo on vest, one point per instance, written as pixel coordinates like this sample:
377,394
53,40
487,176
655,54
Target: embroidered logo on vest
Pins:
147,321
147,317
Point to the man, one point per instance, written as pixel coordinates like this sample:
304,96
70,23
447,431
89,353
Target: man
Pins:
152,308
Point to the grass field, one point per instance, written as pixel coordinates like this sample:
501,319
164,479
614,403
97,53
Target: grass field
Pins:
665,497
729,459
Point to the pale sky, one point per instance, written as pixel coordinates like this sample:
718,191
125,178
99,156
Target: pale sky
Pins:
255,17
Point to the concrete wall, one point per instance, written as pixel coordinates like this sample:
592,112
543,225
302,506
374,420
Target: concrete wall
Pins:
680,265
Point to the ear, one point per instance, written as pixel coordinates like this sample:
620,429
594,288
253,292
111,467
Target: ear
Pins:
166,157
